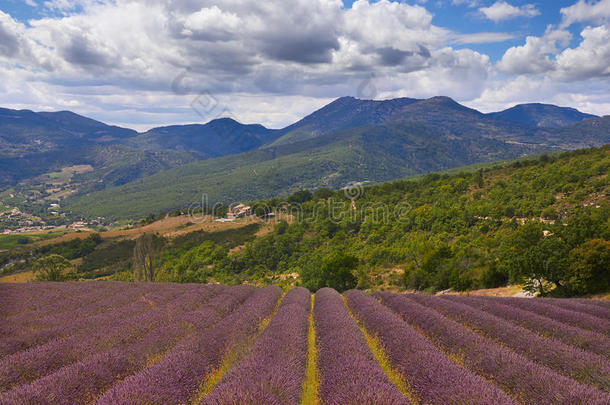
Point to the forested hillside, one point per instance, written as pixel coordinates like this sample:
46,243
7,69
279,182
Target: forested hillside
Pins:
369,153
543,221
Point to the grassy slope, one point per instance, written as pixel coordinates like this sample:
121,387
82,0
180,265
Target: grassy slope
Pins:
11,241
371,154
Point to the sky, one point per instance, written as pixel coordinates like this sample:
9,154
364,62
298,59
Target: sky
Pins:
146,63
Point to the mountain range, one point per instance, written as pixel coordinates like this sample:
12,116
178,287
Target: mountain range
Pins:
349,140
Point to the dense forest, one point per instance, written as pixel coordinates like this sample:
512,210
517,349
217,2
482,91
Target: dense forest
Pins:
543,222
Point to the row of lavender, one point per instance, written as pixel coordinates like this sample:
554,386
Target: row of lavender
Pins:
542,325
565,359
72,325
430,376
349,373
494,350
128,347
273,372
163,344
179,375
17,299
89,307
119,327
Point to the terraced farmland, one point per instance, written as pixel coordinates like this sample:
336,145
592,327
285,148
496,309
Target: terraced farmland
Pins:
144,343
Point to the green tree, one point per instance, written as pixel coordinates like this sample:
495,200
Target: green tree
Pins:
300,196
334,270
544,263
323,193
590,270
51,268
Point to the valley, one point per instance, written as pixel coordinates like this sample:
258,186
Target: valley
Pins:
349,140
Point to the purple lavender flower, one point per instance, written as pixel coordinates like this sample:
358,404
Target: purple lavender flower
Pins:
177,377
349,374
273,373
428,373
565,359
522,378
545,327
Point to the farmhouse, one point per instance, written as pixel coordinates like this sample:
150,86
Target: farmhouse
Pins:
239,211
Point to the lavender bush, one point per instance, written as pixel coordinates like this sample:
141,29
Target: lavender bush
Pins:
565,359
84,319
150,343
574,305
546,327
273,372
110,329
440,381
349,374
526,381
177,377
83,381
566,316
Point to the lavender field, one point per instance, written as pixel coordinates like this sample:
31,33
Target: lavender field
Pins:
152,343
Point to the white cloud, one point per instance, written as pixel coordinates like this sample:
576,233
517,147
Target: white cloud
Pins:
10,31
586,96
390,24
213,21
144,61
590,59
502,10
534,56
469,3
595,11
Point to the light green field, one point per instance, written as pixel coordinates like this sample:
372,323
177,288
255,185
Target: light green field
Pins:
12,241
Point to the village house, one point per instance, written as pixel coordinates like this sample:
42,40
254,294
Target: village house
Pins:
239,211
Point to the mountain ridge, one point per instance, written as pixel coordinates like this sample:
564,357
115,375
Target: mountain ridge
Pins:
542,115
347,140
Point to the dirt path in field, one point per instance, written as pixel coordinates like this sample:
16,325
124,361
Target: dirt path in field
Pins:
169,227
511,291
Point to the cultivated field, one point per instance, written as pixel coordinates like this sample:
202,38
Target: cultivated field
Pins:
144,343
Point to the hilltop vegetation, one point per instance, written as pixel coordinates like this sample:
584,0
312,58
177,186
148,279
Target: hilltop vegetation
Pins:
541,222
544,222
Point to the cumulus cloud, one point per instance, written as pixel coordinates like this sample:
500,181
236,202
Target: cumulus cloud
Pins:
9,35
535,56
270,61
550,54
587,96
239,45
590,59
594,11
211,23
501,10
